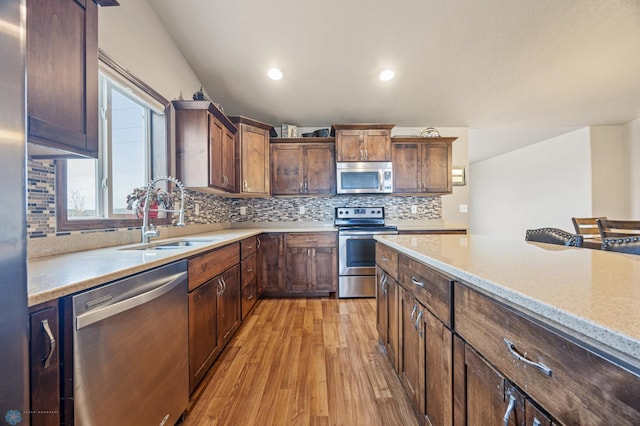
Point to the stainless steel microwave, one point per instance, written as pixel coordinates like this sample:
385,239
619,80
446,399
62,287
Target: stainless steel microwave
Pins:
364,177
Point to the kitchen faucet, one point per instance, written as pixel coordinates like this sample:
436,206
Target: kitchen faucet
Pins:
148,229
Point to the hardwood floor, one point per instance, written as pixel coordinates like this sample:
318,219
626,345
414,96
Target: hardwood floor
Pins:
303,362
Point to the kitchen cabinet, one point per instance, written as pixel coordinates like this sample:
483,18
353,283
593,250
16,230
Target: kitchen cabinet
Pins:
44,343
272,264
311,262
214,307
363,142
426,356
206,146
422,165
248,274
62,78
254,165
303,168
388,301
550,368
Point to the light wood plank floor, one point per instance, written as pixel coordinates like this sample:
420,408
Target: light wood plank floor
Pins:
303,362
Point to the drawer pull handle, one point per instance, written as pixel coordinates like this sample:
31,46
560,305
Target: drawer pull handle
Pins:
416,282
510,407
52,342
250,297
384,259
249,269
536,422
540,366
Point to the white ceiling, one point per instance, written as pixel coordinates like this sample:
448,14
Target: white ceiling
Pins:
481,64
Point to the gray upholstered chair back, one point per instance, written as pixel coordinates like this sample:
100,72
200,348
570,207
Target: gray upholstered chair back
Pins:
554,236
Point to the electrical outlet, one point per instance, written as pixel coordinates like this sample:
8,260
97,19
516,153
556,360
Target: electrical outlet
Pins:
196,209
302,210
243,211
414,209
464,208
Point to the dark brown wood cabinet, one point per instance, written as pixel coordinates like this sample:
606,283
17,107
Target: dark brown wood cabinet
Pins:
311,261
214,307
547,366
254,172
62,78
388,302
44,364
422,165
206,146
363,142
248,274
303,168
272,264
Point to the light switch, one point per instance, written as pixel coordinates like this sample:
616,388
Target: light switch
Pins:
243,211
302,210
196,209
414,209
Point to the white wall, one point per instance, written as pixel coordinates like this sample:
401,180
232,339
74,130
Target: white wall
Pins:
540,185
610,177
631,135
133,35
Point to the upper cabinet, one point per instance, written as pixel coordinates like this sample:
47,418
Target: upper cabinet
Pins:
254,172
422,165
363,142
303,168
62,78
206,146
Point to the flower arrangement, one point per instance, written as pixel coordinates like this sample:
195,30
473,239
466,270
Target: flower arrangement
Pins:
160,200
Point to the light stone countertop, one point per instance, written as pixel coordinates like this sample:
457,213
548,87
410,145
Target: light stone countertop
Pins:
52,277
592,296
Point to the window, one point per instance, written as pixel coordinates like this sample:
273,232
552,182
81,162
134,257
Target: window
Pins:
92,194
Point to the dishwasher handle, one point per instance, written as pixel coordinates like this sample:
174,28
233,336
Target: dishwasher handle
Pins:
164,286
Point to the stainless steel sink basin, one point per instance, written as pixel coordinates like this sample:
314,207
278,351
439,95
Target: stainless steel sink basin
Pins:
176,245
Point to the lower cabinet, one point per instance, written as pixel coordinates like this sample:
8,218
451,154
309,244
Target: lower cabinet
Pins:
387,303
272,264
44,365
311,262
248,274
214,307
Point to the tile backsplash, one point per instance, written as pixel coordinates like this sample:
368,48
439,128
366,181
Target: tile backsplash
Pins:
213,209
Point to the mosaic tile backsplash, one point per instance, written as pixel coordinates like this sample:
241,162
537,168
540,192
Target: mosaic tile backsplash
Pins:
212,209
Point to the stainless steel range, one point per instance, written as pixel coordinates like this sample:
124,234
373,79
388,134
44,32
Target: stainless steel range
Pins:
356,249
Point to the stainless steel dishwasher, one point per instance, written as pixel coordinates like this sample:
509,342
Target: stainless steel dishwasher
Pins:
130,350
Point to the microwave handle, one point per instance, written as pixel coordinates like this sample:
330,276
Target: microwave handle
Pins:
381,180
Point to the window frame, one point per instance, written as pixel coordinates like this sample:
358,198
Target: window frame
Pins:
63,223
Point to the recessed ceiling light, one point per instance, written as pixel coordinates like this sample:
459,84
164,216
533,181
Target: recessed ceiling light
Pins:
274,74
387,75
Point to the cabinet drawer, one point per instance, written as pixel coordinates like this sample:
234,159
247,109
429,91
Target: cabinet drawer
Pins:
249,297
248,269
206,266
579,386
387,258
248,246
323,239
430,287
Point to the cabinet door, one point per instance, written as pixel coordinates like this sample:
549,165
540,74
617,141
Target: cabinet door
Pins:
412,355
287,170
382,306
203,330
298,269
44,366
489,398
272,263
324,269
62,75
437,341
216,159
393,306
320,169
406,168
229,305
435,170
255,160
376,145
349,145
229,156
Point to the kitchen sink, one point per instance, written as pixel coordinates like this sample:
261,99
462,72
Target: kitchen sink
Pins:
176,245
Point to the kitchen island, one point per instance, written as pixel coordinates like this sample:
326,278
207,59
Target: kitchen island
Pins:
559,326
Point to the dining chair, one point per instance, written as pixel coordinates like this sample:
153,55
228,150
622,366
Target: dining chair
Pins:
618,228
553,236
630,245
588,228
